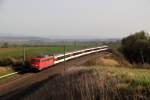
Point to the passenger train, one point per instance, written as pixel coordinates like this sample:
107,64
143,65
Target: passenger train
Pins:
42,62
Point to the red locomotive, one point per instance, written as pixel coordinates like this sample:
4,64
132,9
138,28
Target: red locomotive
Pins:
42,62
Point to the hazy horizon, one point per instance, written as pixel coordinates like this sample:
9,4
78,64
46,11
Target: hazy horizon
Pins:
74,18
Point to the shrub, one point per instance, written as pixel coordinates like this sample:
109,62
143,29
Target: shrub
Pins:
9,61
136,47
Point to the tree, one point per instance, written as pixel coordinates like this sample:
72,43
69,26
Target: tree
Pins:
136,47
5,45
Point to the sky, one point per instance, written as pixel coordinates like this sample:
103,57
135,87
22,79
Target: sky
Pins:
74,18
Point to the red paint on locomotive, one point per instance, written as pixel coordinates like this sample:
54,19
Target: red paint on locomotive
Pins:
40,63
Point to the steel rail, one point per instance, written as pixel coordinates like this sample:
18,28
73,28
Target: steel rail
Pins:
101,48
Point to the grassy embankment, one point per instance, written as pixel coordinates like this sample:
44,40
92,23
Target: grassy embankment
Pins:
103,78
132,81
108,77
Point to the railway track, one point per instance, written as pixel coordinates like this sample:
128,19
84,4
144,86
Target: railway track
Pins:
67,56
16,84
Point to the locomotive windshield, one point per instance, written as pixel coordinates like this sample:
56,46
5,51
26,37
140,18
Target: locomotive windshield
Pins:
35,60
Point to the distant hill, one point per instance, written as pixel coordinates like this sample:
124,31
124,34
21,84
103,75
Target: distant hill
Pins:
42,40
23,39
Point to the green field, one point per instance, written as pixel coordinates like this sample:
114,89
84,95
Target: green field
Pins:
33,51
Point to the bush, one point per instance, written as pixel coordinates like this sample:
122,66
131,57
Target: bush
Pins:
9,61
136,47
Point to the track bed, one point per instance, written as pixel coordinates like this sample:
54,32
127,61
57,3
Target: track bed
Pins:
21,85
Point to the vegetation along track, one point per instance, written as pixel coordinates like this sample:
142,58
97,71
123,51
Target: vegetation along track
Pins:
20,85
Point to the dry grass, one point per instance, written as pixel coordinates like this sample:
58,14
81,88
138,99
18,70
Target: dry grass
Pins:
76,84
88,83
5,70
133,82
104,60
107,61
